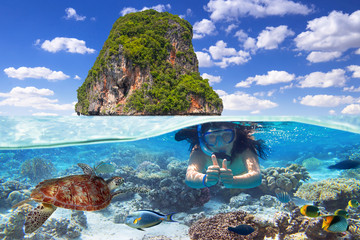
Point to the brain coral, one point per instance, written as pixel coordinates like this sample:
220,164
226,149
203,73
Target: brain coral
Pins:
216,227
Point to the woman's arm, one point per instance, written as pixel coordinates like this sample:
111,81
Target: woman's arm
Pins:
252,178
194,175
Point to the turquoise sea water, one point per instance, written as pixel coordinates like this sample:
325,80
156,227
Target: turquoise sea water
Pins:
131,141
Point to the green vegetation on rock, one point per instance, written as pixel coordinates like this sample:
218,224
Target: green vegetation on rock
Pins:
143,38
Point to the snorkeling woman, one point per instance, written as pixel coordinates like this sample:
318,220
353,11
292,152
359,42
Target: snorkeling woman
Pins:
222,152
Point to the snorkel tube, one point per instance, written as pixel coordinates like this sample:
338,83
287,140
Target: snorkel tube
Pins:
206,149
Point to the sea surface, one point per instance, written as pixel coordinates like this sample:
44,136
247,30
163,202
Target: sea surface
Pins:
147,145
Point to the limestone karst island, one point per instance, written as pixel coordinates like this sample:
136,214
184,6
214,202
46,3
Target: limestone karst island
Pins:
147,66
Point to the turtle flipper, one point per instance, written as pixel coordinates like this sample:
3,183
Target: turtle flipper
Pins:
87,169
38,216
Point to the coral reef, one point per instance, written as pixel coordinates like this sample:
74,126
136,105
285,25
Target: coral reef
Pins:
276,179
173,194
295,226
216,227
14,226
332,193
312,163
350,173
12,192
37,169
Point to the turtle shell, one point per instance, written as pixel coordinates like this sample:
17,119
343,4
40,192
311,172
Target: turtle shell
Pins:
77,192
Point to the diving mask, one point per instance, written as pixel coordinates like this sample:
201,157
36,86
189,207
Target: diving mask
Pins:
215,139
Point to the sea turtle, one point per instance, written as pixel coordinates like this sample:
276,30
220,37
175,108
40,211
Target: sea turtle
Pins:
86,192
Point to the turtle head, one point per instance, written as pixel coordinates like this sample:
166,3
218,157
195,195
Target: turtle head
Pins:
115,182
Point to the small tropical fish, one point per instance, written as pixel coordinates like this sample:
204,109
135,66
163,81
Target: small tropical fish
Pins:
341,212
242,229
346,164
335,224
283,197
310,211
105,167
353,203
146,218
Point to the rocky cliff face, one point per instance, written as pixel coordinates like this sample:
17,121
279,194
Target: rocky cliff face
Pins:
147,67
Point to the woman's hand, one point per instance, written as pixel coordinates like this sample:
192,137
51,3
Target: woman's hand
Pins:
212,172
226,175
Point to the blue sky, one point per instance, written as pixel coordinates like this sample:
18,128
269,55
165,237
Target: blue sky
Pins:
263,57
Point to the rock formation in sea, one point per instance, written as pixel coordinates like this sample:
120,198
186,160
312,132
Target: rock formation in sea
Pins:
147,66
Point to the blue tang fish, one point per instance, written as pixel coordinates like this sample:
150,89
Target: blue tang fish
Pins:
242,229
146,218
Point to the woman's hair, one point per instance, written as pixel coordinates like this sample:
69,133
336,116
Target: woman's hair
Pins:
243,139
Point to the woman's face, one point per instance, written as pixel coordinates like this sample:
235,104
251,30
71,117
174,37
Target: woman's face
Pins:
220,139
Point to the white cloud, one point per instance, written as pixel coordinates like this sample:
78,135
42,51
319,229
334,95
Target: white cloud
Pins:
241,35
44,114
351,89
241,57
228,56
77,77
71,45
203,28
272,77
230,28
271,37
188,13
234,9
355,69
335,78
332,112
326,100
212,79
37,72
204,59
317,56
353,109
357,51
32,97
220,92
245,102
336,32
71,14
159,8
221,50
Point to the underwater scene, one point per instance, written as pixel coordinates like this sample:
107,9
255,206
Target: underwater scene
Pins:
135,178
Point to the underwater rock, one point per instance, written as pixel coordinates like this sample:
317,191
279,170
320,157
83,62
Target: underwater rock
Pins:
332,193
240,200
269,201
216,227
